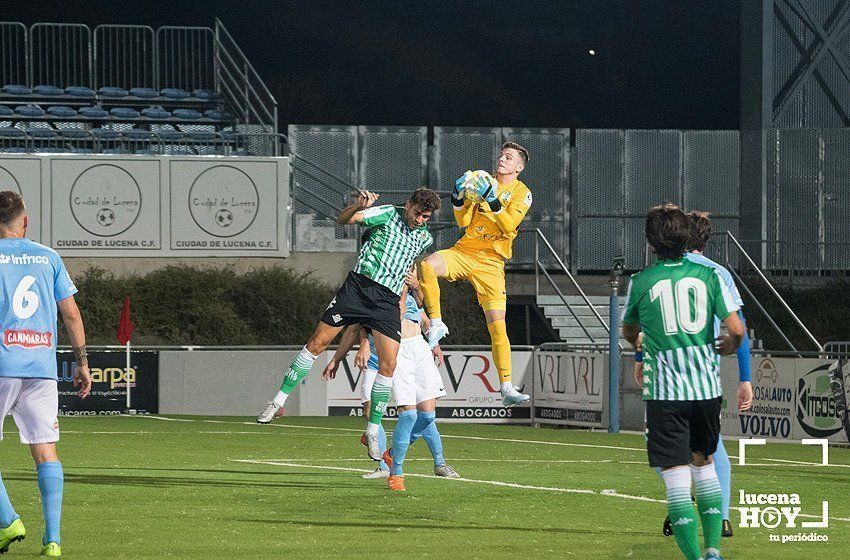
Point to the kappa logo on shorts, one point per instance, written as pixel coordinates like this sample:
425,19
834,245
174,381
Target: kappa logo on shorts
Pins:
331,304
337,318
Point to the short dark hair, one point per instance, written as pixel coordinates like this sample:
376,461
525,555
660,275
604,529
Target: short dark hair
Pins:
426,199
522,151
11,207
668,231
701,229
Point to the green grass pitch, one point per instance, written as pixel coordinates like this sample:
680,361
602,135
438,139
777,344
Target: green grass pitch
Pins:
198,488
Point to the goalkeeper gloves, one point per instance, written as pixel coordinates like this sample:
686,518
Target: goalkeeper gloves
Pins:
486,186
460,184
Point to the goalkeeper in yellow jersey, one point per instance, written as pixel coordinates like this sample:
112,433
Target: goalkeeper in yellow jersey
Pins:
491,221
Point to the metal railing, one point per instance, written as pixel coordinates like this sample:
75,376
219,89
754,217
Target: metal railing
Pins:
185,57
245,92
60,54
14,54
135,142
801,263
125,56
539,268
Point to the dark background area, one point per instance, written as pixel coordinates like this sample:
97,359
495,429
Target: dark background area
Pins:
660,64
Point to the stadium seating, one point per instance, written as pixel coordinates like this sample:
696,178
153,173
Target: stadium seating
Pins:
48,90
93,112
80,91
174,93
16,89
144,92
156,112
29,111
112,92
124,113
97,104
187,114
61,111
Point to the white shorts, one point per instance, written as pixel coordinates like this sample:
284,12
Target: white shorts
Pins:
416,378
34,404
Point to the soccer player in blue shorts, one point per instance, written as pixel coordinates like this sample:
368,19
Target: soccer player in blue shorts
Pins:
700,233
35,283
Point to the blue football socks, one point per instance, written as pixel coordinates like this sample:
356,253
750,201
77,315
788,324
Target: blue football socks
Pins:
50,484
401,439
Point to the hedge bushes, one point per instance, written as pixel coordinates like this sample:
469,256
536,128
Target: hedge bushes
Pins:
183,305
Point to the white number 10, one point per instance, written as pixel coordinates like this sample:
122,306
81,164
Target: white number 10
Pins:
678,315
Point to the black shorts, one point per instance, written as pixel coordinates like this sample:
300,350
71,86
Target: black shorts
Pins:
677,429
362,300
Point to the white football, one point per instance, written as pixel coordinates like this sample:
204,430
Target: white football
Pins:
469,183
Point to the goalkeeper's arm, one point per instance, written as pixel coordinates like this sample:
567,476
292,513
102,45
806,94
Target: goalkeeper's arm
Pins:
463,207
509,216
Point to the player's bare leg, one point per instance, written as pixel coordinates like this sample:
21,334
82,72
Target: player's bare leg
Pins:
387,350
501,348
298,370
430,269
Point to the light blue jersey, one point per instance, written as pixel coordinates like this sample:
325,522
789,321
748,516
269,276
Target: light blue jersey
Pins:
725,275
32,279
411,313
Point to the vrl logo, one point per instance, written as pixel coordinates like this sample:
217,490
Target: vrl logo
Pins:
580,370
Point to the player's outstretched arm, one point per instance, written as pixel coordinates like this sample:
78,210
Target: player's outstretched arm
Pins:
349,338
351,214
77,333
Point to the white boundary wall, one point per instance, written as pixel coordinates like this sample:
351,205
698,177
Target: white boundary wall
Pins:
154,206
793,399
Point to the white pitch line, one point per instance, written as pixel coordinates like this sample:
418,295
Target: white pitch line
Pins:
478,438
461,479
161,418
808,463
459,460
609,493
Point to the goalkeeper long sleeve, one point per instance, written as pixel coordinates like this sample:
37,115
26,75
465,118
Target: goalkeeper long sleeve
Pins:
463,209
509,216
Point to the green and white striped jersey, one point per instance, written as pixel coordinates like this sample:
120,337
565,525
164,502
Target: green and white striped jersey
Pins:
675,303
390,246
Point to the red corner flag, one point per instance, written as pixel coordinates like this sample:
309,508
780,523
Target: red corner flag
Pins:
125,325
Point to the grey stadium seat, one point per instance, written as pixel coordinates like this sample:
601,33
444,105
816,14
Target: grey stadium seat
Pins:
17,89
124,113
48,90
29,111
79,91
115,92
144,92
61,111
93,112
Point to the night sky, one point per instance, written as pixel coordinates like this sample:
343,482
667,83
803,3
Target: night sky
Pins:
658,64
